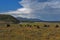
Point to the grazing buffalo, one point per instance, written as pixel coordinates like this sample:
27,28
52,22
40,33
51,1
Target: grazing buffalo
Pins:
38,27
8,25
57,26
46,25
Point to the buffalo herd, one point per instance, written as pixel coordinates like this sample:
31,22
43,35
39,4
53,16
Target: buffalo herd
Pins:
37,26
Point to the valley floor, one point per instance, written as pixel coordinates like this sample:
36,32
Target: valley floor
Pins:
30,31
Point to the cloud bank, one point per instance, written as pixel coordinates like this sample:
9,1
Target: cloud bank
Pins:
41,9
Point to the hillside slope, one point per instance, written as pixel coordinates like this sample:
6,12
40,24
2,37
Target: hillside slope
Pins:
8,19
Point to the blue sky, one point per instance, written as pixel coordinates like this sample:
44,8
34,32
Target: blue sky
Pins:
48,10
6,5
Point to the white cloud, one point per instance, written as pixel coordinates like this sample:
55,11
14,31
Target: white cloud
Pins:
20,11
39,7
54,4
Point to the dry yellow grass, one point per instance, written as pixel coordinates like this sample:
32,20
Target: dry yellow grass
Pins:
30,31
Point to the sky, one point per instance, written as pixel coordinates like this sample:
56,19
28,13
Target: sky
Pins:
48,10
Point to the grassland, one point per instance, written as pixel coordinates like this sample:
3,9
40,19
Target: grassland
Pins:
30,31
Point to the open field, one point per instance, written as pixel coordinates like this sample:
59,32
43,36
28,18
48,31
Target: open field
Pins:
30,31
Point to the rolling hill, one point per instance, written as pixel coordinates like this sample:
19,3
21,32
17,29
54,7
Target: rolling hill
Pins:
8,19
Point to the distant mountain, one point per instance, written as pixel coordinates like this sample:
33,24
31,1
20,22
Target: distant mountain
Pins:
34,20
27,20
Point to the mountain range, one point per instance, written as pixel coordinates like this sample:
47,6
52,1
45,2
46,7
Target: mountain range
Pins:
28,19
34,20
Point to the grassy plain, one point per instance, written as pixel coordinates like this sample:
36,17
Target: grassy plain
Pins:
30,31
